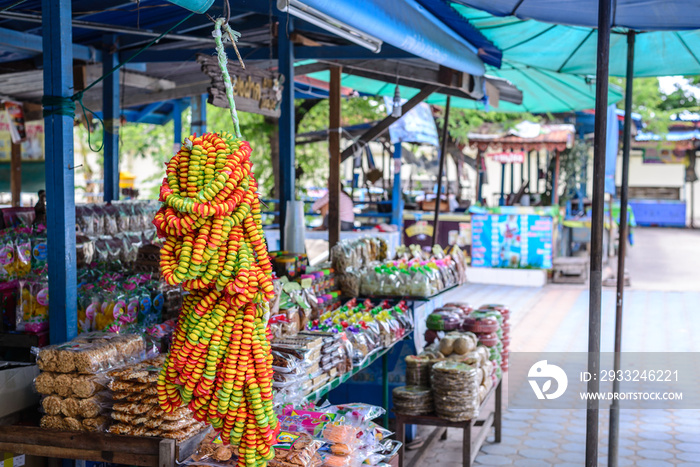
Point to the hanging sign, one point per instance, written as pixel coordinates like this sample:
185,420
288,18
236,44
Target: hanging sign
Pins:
254,90
516,157
15,115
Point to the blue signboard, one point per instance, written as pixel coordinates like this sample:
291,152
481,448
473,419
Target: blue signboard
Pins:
511,241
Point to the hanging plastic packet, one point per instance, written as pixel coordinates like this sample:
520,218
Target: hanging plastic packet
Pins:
34,306
7,257
23,255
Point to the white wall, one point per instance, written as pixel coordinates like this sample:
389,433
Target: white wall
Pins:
660,175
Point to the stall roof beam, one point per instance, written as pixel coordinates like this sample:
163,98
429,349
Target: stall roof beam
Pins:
383,125
350,52
134,99
134,80
404,74
109,28
148,111
32,43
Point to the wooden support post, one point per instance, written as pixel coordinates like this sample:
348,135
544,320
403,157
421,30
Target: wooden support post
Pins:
502,199
60,183
479,174
512,179
555,179
287,163
529,172
384,125
441,171
16,173
110,105
334,98
537,175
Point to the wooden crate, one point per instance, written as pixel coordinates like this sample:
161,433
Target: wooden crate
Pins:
97,447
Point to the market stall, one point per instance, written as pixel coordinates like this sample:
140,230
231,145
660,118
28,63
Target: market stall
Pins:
521,147
236,361
118,282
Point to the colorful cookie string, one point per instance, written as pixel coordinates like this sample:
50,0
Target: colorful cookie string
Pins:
220,362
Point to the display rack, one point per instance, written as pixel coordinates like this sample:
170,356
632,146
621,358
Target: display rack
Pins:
470,444
97,447
369,360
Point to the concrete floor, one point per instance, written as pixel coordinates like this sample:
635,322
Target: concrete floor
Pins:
660,314
665,259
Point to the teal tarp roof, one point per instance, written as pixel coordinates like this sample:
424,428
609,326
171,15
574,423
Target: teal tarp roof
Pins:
572,49
543,90
641,15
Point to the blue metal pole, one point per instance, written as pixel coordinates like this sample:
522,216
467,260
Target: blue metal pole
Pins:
396,194
177,125
60,185
502,199
199,114
286,122
110,103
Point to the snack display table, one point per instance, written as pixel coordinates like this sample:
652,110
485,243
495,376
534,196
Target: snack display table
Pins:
316,395
470,444
97,447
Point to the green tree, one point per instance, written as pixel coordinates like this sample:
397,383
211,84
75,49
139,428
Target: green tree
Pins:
653,105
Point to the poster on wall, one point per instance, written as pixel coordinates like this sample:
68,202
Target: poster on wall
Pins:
664,152
33,144
511,241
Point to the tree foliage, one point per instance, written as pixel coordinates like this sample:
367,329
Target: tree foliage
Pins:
654,106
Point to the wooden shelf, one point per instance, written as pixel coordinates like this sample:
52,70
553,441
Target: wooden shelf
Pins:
97,447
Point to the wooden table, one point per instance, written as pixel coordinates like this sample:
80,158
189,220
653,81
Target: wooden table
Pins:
97,447
470,445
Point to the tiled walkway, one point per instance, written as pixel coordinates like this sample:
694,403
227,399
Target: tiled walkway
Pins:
657,318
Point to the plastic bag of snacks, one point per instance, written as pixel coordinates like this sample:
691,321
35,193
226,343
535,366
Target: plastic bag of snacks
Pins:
93,352
33,306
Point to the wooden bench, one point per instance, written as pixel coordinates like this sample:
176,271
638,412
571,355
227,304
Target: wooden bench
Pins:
97,447
470,444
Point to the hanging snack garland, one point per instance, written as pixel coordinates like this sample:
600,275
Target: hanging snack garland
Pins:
219,364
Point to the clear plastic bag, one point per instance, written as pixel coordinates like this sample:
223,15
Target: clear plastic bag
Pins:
110,219
98,221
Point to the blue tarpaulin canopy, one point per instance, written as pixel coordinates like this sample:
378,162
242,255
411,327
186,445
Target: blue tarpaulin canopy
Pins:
407,25
641,15
572,49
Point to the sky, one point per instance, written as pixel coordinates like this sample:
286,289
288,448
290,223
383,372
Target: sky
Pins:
668,85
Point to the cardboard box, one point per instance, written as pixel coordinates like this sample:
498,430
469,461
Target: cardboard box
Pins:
16,387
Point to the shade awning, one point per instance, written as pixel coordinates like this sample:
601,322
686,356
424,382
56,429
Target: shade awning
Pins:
641,15
572,49
409,26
